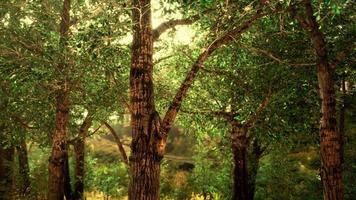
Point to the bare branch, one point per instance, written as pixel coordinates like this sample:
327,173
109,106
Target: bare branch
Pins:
118,142
173,23
162,59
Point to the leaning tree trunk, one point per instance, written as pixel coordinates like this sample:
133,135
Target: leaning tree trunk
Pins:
57,161
6,172
24,168
144,159
330,144
79,151
239,151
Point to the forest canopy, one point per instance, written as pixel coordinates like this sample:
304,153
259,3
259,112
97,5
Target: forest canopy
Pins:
177,99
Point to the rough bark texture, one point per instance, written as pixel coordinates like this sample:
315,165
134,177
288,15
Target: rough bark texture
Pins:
145,157
6,172
24,168
57,161
79,151
148,138
239,151
330,144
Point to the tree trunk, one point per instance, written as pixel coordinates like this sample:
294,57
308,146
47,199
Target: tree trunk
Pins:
144,159
239,151
253,165
67,185
24,168
57,161
79,151
330,145
6,172
79,169
342,117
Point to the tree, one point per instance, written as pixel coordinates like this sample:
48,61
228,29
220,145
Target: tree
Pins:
24,168
330,139
149,135
57,161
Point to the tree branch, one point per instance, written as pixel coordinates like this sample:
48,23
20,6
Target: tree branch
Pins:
228,116
96,130
309,24
226,38
274,57
118,142
173,23
85,126
342,55
255,116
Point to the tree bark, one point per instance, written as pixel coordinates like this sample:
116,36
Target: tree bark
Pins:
342,117
79,151
148,136
330,144
67,185
6,172
57,161
24,168
239,151
145,158
253,166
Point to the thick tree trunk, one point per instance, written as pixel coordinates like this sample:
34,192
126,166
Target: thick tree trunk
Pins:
24,168
144,159
79,151
148,137
57,161
253,165
239,151
6,172
330,145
